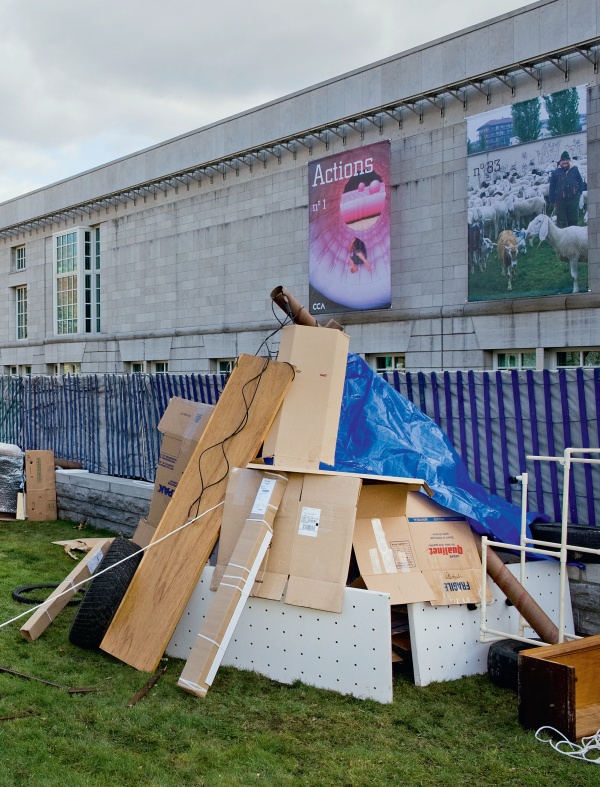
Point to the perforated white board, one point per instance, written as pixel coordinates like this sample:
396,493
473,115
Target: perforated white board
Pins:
445,641
348,652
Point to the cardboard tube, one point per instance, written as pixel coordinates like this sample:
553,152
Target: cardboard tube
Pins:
516,593
287,303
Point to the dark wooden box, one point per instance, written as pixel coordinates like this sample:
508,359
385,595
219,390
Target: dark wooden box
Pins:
559,686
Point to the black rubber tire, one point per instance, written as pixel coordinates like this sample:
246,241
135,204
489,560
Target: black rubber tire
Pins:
104,594
503,662
577,536
19,594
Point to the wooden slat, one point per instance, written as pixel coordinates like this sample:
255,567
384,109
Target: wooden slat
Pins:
168,573
59,598
587,721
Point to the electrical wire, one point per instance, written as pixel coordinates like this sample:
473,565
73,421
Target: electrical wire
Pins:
221,444
588,750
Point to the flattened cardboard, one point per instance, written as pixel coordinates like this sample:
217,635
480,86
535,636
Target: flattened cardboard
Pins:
312,540
242,488
181,426
304,432
40,481
237,579
414,549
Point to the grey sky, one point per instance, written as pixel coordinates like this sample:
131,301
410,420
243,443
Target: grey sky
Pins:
85,83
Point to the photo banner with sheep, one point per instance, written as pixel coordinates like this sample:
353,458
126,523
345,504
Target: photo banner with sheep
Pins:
527,198
349,231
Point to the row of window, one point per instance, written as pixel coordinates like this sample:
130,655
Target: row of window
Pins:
146,367
523,359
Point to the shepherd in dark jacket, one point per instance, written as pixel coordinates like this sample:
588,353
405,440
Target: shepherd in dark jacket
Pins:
566,185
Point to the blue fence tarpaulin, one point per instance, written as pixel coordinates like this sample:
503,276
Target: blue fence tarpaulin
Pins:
492,420
382,433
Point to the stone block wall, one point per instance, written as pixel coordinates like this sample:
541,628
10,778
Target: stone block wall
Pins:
585,598
114,504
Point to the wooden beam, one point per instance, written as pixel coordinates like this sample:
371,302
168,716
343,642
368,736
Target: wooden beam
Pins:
169,572
59,598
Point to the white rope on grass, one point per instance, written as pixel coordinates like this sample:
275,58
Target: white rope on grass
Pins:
588,750
77,585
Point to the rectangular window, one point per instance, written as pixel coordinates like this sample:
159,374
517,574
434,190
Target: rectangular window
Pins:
77,282
21,301
390,363
64,368
566,359
138,367
516,360
19,370
225,365
19,258
161,367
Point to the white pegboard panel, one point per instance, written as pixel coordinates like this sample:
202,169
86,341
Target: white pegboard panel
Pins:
348,652
445,641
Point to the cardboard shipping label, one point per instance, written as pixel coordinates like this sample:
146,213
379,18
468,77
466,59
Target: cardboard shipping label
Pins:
309,521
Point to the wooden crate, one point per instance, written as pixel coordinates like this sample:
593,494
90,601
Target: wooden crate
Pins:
559,687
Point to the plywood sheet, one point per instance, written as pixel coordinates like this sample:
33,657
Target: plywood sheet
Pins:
169,571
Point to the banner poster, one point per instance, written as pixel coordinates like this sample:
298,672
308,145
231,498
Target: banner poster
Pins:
527,198
349,231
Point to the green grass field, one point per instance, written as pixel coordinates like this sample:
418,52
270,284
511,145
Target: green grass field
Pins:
249,730
539,272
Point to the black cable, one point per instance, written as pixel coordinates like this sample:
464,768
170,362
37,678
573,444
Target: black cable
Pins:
18,594
222,443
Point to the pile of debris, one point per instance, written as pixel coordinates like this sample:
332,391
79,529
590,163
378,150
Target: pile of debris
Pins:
289,532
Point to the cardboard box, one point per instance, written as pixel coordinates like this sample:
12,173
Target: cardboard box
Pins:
308,559
40,485
238,577
414,549
304,433
181,426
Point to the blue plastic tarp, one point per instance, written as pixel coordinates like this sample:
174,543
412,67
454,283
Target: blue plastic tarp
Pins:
383,433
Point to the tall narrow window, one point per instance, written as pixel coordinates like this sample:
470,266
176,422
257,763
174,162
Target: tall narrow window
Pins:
20,258
77,301
21,300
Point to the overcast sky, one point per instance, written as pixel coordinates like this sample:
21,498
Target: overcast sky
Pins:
85,83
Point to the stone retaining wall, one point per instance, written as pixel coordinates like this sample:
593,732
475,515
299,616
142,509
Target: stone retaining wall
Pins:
107,502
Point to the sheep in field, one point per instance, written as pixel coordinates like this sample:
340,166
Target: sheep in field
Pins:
569,243
508,249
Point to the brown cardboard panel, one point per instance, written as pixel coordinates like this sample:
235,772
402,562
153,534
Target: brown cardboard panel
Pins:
169,571
39,470
233,591
40,485
415,549
305,430
312,539
41,505
315,594
242,488
143,533
182,425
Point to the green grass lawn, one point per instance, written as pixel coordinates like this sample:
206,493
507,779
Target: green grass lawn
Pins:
249,730
539,272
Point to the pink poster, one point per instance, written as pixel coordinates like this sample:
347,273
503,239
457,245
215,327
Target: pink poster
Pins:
349,231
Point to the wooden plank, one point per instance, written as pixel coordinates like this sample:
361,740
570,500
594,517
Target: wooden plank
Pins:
587,721
168,573
59,598
547,695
